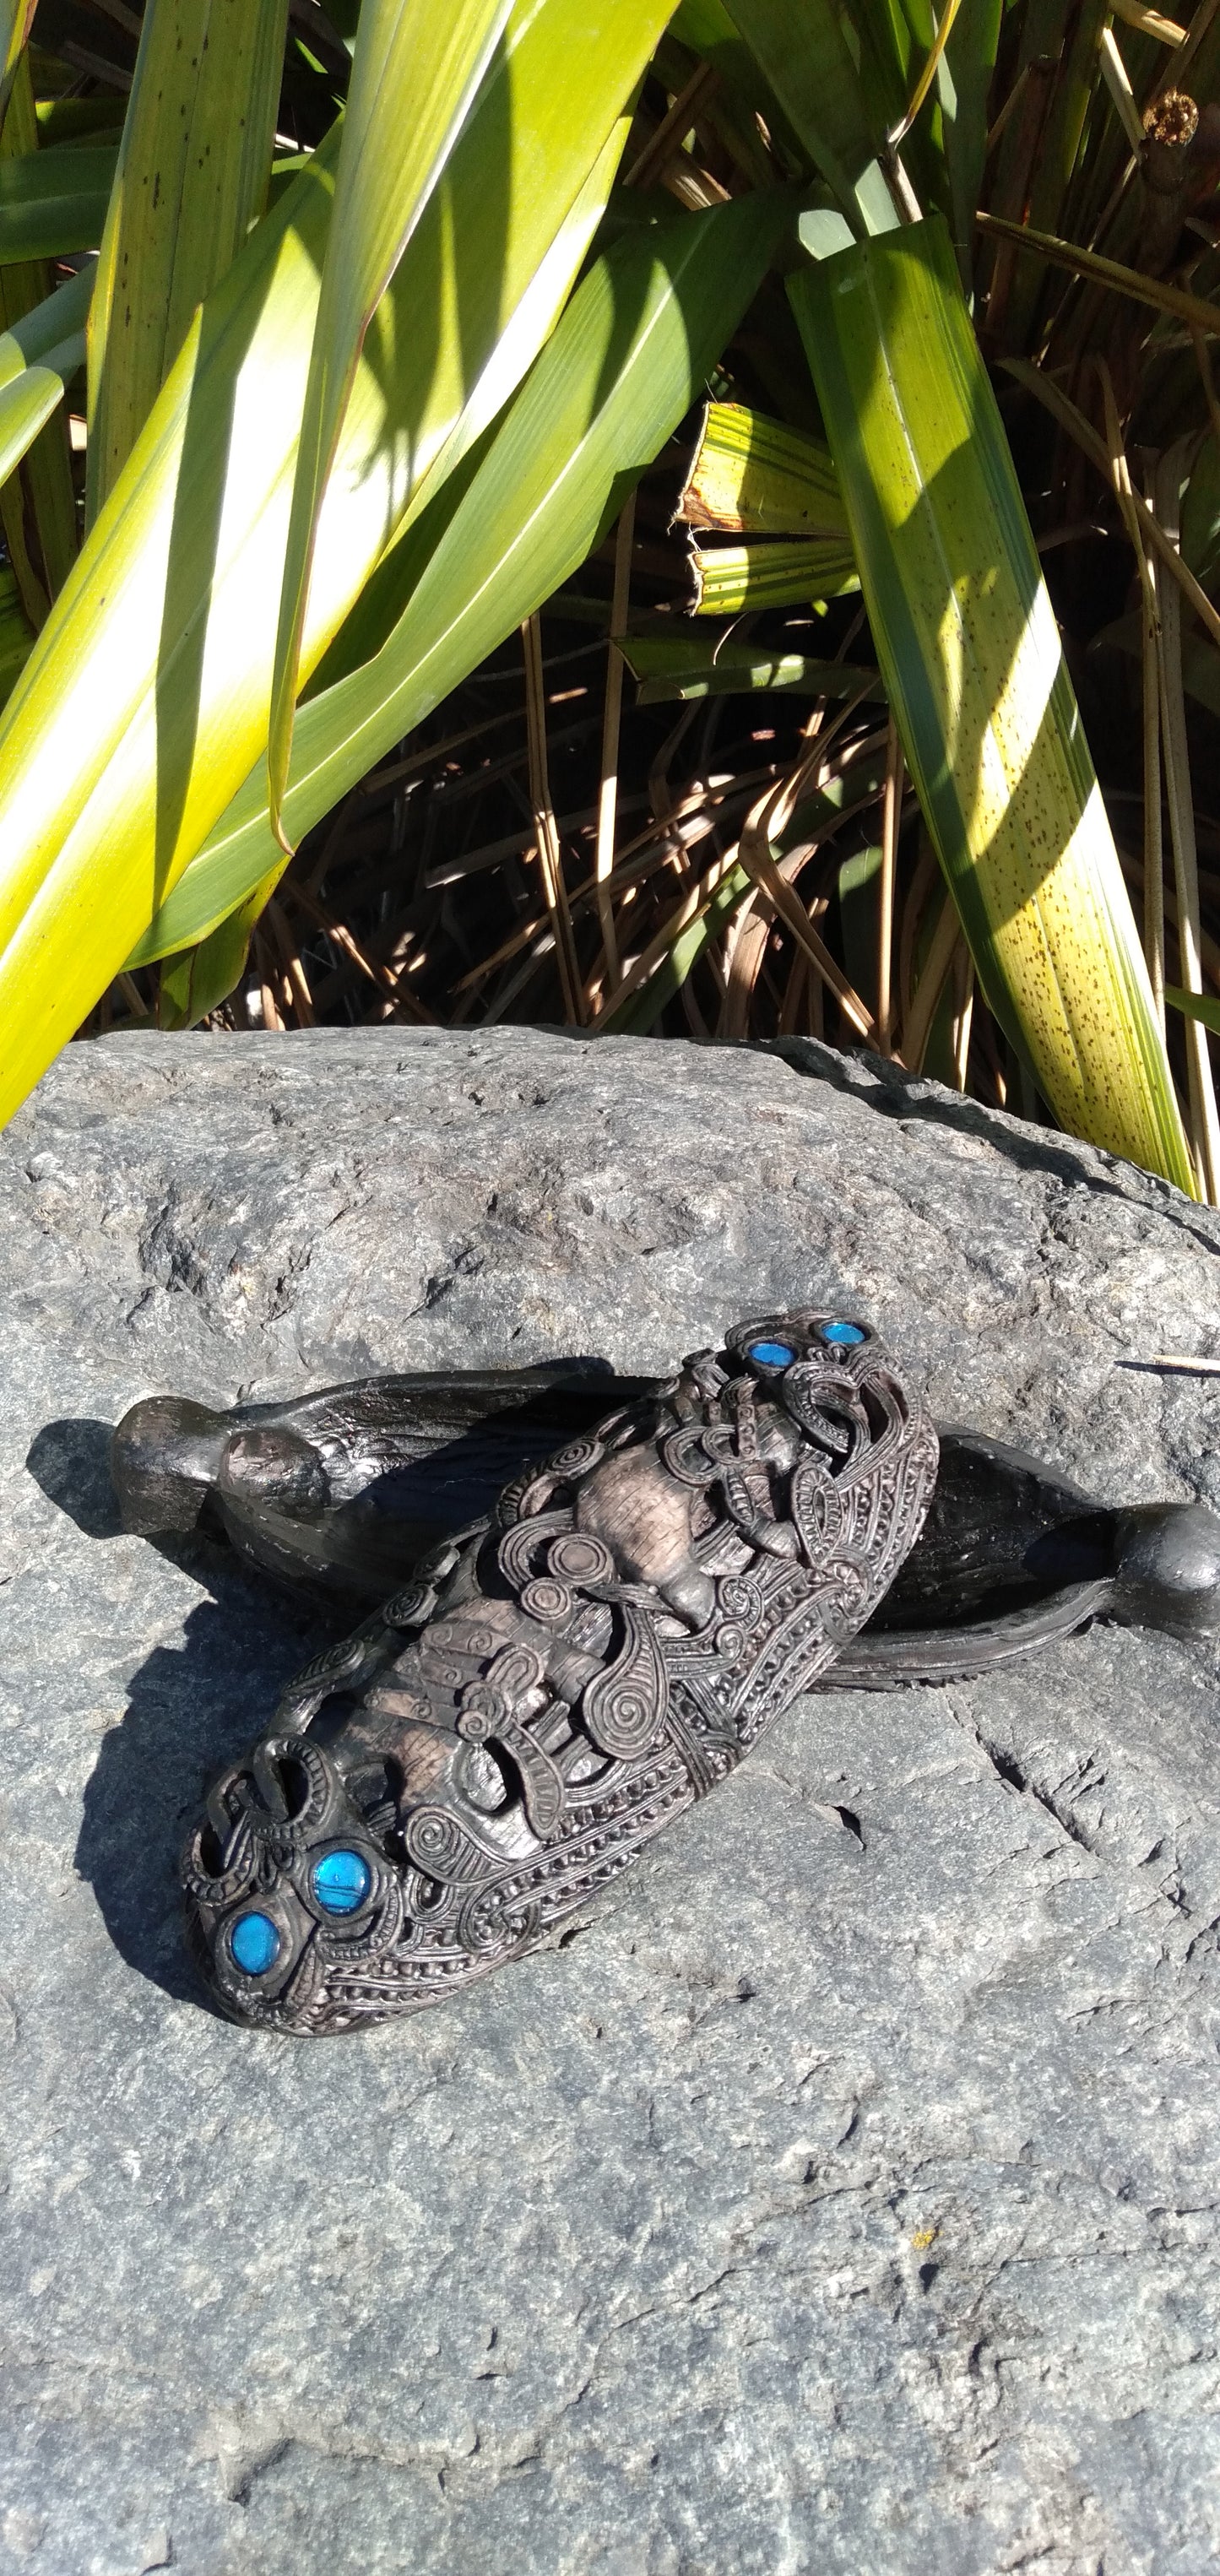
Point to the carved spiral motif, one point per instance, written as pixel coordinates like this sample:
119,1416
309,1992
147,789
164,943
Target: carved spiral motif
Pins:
576,1557
489,1919
547,1600
687,1457
520,1546
481,1712
576,1459
740,1599
436,1843
410,1607
624,1708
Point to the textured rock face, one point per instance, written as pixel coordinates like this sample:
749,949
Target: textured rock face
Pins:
842,2197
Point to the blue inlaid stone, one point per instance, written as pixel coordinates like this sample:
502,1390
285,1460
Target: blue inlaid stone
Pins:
341,1881
845,1336
771,1354
255,1944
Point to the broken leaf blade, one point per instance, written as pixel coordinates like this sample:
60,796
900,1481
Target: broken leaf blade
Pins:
766,573
753,476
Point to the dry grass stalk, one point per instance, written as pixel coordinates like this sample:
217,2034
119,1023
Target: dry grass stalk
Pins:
607,807
1204,1122
550,856
891,819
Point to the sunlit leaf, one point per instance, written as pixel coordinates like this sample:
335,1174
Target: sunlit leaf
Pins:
146,701
16,20
760,477
967,642
417,66
632,349
765,574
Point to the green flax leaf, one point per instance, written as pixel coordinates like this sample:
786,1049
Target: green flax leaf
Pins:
418,64
145,703
1195,1006
16,20
802,48
630,354
970,652
709,666
37,503
54,202
193,170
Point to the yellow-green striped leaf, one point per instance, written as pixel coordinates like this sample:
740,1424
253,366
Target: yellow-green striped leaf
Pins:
764,573
146,701
24,406
418,64
630,353
969,649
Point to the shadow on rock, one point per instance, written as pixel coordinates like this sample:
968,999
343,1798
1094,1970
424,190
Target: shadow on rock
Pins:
71,1462
192,1706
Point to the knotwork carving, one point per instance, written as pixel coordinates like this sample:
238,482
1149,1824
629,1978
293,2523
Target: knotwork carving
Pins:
561,1679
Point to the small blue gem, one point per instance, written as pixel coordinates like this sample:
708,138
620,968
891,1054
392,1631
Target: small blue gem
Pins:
255,1944
771,1354
845,1335
341,1881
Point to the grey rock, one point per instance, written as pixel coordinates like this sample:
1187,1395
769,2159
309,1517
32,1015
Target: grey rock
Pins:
843,2194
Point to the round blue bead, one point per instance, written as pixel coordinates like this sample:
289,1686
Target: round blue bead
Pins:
341,1881
255,1944
771,1354
844,1335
